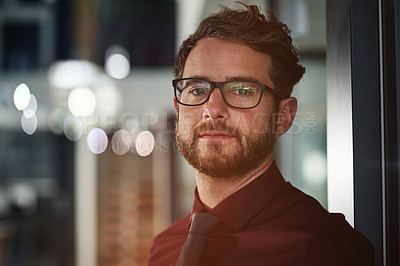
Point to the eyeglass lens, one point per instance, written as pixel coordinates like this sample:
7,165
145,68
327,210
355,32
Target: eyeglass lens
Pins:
236,93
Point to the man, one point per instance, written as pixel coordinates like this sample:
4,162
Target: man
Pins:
235,75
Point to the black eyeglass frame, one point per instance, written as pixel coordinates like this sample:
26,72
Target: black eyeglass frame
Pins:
220,85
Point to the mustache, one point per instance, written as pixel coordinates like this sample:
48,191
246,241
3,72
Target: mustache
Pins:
215,126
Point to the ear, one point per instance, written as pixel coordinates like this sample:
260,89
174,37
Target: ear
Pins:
286,114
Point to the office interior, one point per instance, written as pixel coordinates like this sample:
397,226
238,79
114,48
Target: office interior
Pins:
89,168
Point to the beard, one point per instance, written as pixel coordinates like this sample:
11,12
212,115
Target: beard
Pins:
225,160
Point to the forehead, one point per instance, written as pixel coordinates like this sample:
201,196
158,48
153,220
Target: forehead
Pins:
220,60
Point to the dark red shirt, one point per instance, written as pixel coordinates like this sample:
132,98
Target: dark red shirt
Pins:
269,222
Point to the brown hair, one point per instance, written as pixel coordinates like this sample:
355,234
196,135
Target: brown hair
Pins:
250,27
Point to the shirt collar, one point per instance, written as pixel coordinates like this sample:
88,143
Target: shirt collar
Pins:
237,209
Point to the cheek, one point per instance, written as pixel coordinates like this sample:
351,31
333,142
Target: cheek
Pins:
252,122
187,119
259,123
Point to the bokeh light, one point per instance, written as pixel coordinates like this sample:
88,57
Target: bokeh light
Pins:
23,195
131,123
30,110
97,140
73,128
145,143
22,96
314,167
108,100
29,125
56,120
117,63
121,142
71,74
81,102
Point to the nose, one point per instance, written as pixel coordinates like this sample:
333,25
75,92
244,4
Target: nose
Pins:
215,107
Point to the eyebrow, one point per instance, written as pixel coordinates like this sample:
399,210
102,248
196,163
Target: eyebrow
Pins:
233,78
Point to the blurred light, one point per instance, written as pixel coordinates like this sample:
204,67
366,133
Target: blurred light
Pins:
130,122
314,168
46,187
71,74
30,110
29,125
22,96
117,66
108,100
56,120
73,128
81,102
24,196
145,143
97,141
117,63
121,142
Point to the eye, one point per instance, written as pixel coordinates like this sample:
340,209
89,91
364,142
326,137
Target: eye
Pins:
241,89
194,88
198,91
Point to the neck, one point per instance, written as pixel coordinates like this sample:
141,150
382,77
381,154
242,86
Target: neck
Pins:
214,190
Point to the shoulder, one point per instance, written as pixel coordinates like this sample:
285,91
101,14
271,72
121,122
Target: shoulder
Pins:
167,244
335,242
295,208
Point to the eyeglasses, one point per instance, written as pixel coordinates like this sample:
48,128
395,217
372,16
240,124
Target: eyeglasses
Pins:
237,94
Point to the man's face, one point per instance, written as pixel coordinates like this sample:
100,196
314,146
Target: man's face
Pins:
218,140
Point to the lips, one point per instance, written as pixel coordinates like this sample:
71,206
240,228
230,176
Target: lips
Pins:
214,131
215,135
